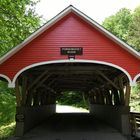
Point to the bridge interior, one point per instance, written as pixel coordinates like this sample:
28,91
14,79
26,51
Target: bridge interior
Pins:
106,89
92,79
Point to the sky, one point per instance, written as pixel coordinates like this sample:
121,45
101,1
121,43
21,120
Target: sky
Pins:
98,10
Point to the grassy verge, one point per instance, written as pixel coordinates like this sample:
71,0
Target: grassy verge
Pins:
7,131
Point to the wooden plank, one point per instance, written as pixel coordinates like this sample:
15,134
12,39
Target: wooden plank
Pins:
63,72
74,68
70,88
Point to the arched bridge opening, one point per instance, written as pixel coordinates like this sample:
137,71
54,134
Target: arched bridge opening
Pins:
106,88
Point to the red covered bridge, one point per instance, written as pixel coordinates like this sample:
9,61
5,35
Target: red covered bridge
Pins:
71,52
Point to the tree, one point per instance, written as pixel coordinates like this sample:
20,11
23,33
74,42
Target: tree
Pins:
126,26
119,23
73,98
135,98
18,20
133,37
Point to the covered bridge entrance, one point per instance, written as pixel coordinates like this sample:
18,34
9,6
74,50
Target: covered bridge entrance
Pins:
71,53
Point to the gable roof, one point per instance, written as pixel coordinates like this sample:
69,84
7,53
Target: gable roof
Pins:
58,17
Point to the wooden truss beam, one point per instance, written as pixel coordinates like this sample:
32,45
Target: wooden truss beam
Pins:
37,80
42,81
107,79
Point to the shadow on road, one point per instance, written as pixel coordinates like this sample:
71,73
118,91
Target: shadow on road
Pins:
67,126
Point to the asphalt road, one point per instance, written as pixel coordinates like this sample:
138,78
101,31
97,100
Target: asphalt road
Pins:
72,126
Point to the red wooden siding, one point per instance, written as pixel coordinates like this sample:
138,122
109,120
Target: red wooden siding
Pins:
71,31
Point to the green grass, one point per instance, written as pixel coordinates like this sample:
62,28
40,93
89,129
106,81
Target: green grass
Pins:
7,131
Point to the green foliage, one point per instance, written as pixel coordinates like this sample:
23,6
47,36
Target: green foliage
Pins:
133,37
18,20
119,23
7,110
126,26
135,98
7,104
6,131
72,98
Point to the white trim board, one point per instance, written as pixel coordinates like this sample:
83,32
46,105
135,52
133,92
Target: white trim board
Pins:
135,78
7,78
12,84
59,17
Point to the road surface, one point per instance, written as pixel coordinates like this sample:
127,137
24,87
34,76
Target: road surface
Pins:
72,126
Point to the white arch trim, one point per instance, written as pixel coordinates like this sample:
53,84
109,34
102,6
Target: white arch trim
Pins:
12,84
135,78
7,78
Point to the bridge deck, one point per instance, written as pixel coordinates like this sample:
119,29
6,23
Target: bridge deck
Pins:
73,127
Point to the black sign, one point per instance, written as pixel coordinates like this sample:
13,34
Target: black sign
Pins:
71,51
19,118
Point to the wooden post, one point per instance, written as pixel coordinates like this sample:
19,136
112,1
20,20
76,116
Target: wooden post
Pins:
127,94
24,90
97,97
109,94
116,96
121,90
108,100
18,96
29,98
36,99
102,96
92,97
42,97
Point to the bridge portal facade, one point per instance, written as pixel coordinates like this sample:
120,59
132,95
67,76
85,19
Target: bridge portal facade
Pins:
71,52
